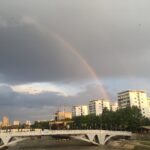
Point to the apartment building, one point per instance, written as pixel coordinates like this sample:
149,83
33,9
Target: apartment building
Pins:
114,106
96,106
134,98
79,110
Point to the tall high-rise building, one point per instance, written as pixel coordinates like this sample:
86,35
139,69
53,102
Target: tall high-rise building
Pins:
5,121
148,99
79,110
134,98
96,106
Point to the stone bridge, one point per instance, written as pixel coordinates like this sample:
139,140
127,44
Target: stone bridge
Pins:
97,137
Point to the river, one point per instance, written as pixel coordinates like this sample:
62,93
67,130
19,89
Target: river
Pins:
50,144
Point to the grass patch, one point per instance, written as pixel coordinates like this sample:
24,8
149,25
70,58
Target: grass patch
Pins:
145,142
141,148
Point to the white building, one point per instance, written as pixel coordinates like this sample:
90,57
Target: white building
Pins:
80,110
148,99
97,106
134,98
114,106
16,122
28,122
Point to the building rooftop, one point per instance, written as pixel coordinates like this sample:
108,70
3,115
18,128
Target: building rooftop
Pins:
98,100
141,91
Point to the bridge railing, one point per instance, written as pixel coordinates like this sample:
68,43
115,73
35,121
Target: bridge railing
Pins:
62,132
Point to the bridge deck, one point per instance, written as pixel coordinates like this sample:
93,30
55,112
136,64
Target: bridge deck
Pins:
63,132
93,136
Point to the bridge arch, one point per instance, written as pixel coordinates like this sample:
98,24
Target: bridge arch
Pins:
86,137
96,139
109,137
1,141
12,139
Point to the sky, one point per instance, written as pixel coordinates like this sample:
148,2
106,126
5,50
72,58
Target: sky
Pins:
59,53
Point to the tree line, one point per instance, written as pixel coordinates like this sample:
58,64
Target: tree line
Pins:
129,119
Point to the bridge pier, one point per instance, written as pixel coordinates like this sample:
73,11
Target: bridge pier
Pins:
96,139
99,138
90,138
5,139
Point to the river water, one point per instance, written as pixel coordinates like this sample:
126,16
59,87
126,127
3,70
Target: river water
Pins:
50,144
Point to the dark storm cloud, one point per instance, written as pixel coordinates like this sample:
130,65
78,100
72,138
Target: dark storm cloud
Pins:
113,37
26,55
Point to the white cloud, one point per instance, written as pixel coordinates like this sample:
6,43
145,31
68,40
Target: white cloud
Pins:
37,88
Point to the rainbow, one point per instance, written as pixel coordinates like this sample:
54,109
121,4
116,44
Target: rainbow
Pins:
69,47
74,51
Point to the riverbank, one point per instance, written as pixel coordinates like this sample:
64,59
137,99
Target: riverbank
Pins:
130,144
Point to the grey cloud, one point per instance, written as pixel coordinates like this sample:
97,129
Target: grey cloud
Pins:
26,55
112,37
23,113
